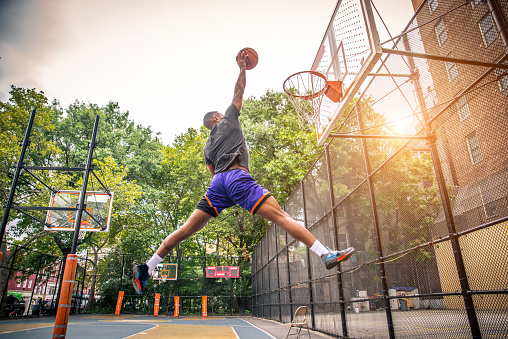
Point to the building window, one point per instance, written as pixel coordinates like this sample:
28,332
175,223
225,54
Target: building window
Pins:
432,5
473,146
18,284
463,108
451,69
502,79
29,283
24,284
488,30
441,32
475,3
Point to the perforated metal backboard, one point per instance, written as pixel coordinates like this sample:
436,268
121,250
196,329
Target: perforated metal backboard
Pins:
95,218
348,52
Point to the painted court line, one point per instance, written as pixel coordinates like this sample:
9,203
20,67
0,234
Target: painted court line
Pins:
132,335
271,336
237,337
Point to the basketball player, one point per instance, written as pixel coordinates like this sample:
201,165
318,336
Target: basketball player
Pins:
227,157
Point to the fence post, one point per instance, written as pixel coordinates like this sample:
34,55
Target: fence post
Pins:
278,271
268,272
35,284
83,284
309,268
384,282
121,272
10,272
289,276
336,234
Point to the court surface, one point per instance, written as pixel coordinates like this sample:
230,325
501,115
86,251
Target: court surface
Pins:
147,327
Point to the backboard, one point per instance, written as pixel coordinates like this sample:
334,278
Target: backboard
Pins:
222,271
349,50
165,272
95,218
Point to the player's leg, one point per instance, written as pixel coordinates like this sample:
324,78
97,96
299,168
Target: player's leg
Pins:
271,211
197,220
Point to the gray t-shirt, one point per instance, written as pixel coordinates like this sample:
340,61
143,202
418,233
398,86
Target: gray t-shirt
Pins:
226,143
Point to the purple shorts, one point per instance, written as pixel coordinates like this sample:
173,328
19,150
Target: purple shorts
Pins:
231,188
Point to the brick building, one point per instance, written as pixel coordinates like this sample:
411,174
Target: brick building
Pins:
472,104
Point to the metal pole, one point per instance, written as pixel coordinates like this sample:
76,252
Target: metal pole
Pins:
309,268
500,20
384,283
204,270
81,205
289,281
57,282
278,272
19,166
231,288
447,208
446,59
83,284
179,269
336,234
35,284
121,274
268,278
10,271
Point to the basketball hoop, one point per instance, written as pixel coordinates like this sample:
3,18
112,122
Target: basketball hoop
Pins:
305,91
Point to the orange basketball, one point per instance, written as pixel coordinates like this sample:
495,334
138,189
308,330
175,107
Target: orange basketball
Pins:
252,57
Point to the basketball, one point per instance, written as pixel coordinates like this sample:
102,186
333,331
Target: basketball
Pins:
252,57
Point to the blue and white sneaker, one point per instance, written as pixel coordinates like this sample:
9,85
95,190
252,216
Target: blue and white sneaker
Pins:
141,277
333,258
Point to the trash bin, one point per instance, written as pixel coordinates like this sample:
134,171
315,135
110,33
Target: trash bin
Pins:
403,304
36,309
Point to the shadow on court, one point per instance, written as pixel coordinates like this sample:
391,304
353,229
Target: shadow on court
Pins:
147,327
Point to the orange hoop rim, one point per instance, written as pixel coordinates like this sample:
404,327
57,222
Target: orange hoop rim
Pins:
308,96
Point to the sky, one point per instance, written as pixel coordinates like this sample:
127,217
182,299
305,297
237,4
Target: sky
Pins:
166,62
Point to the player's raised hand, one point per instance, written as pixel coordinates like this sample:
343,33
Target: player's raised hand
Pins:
240,60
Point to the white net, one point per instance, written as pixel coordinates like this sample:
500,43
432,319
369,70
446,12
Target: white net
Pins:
81,235
305,92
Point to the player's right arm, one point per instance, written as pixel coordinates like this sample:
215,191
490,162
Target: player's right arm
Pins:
242,80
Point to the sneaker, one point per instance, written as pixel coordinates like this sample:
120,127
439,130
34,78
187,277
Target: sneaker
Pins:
333,258
141,277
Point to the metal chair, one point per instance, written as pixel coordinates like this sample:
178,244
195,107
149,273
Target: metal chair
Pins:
301,311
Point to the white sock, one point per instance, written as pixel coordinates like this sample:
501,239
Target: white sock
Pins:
318,248
153,262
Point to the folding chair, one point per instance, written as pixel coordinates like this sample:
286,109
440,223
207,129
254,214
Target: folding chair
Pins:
301,311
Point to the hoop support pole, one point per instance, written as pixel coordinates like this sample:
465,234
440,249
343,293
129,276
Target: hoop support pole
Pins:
64,303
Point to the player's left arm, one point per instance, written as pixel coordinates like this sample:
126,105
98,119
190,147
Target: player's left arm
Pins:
242,80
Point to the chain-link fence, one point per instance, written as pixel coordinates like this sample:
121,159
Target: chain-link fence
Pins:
427,213
33,279
30,280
